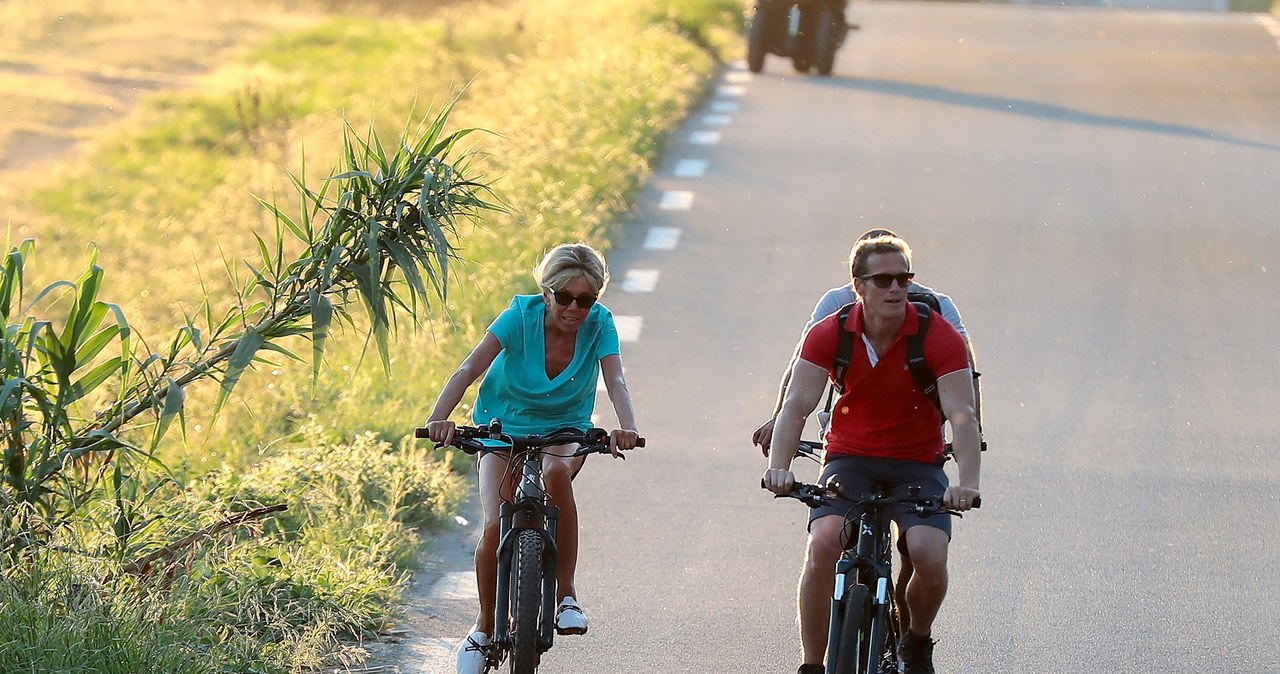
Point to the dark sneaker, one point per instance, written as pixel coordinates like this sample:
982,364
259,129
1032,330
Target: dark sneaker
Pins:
916,653
811,669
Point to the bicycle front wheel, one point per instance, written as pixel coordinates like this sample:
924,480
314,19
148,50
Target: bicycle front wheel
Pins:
849,654
526,602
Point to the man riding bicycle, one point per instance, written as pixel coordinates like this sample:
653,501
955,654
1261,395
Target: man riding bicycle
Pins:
831,302
883,429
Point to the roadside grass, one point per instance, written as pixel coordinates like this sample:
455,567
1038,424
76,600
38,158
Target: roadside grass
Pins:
580,99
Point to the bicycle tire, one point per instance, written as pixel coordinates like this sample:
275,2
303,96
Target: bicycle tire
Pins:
757,39
824,40
526,602
849,653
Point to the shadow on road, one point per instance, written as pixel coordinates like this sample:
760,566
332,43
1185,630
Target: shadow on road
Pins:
1033,109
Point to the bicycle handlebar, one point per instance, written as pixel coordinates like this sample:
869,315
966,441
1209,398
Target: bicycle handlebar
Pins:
471,439
816,495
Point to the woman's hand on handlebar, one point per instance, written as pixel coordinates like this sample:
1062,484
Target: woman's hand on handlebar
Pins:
622,440
442,431
778,480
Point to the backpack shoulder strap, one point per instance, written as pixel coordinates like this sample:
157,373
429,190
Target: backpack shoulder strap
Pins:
916,363
844,354
844,349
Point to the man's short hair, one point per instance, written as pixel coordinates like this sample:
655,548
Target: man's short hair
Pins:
876,233
865,248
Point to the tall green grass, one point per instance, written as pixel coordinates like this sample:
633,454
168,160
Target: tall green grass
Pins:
580,97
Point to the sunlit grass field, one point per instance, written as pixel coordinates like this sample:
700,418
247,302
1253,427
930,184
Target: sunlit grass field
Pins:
578,98
144,131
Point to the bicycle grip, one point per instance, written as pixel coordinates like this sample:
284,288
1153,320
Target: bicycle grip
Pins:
421,433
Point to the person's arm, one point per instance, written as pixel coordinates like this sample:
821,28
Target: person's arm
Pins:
807,382
615,383
828,304
438,425
951,313
977,387
763,435
955,392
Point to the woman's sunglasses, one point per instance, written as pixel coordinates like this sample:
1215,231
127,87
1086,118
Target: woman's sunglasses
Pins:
886,280
564,297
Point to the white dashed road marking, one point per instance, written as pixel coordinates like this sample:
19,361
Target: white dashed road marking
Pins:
724,106
662,238
704,137
640,280
690,168
1271,25
737,76
676,200
628,328
730,90
716,120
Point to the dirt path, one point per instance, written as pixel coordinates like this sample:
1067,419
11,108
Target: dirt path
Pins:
443,594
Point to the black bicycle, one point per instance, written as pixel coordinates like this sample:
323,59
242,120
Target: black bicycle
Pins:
864,631
524,606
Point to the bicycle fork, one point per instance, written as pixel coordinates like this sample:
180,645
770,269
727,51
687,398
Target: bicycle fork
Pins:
529,511
844,568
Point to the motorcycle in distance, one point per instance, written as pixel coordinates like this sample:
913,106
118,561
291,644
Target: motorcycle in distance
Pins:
807,31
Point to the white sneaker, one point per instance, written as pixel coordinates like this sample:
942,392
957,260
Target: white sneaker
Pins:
570,618
471,658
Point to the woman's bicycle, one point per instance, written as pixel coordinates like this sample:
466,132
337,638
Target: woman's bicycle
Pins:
864,630
524,610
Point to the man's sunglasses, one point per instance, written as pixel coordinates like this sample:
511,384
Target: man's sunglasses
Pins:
564,297
886,280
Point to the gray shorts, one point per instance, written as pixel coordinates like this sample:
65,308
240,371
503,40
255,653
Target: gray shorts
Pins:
857,474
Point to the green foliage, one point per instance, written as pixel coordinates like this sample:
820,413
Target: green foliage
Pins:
75,628
269,596
324,482
583,106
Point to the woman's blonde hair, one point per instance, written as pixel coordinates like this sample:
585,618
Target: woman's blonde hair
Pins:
569,260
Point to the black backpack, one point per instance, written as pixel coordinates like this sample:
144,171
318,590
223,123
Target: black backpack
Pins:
926,306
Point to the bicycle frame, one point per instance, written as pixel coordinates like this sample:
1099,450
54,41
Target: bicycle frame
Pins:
869,563
528,510
527,527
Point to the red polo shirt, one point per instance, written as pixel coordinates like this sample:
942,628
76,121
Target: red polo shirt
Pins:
882,412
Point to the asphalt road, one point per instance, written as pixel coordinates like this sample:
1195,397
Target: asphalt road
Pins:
1099,191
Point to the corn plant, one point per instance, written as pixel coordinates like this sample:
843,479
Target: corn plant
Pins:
85,400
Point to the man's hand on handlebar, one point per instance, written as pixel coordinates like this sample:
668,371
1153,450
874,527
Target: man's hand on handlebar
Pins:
960,498
778,480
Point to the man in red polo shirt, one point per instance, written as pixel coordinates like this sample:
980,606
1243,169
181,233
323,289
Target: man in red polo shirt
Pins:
883,428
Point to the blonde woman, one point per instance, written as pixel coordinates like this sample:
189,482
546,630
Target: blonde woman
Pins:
541,359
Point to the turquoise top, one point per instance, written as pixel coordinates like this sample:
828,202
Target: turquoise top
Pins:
516,389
